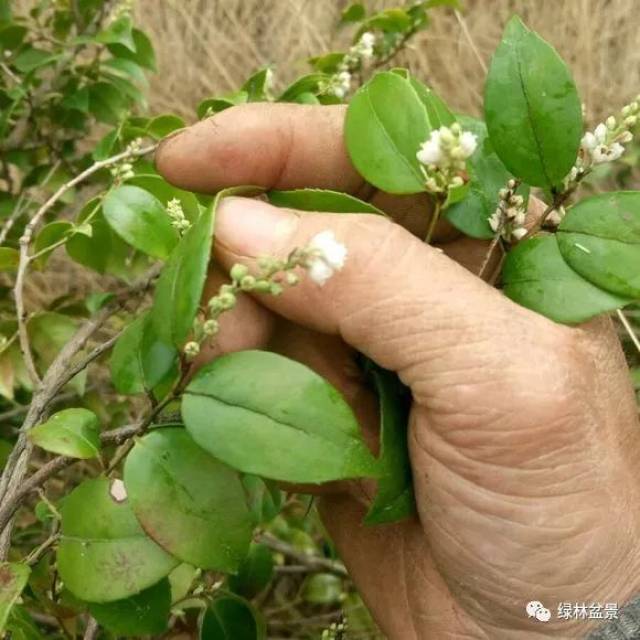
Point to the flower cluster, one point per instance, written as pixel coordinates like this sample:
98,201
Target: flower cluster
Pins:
122,171
606,142
509,217
121,9
360,53
336,630
322,257
444,156
178,219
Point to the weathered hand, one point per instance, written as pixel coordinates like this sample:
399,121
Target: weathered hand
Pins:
524,434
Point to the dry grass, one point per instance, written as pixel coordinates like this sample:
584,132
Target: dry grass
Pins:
208,47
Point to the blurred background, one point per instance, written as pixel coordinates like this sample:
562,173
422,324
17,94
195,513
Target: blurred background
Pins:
210,46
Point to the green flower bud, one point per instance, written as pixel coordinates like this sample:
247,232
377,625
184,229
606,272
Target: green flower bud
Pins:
292,279
210,327
227,300
239,271
247,283
191,349
276,289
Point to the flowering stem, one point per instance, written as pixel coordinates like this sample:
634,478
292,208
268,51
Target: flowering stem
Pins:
434,220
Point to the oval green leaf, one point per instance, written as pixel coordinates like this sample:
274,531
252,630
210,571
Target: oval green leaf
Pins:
264,414
385,125
394,499
180,285
231,618
164,192
321,200
141,220
255,572
146,613
13,579
600,239
189,503
532,108
104,555
536,276
140,360
71,432
9,259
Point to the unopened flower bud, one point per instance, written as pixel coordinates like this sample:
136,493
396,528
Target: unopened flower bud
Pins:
630,121
227,300
611,123
238,271
247,283
276,289
262,286
292,279
511,184
503,193
191,349
456,181
626,110
210,327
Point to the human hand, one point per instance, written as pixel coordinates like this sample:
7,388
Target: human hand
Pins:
524,436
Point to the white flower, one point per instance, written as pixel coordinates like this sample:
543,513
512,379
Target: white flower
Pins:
326,256
519,233
588,142
468,143
603,153
601,133
495,220
368,39
364,48
431,150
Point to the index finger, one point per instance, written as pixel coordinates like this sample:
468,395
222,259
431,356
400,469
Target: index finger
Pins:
275,146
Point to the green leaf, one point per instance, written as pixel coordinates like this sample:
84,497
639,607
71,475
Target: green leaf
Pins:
353,13
600,239
13,579
487,176
385,125
162,126
536,276
146,613
143,53
323,589
104,555
141,220
264,414
231,618
48,236
21,625
264,498
107,103
71,432
189,503
256,86
181,579
11,36
394,500
104,148
31,58
255,572
532,108
163,191
181,282
211,106
78,100
328,63
140,361
438,112
9,259
389,21
321,200
306,84
119,32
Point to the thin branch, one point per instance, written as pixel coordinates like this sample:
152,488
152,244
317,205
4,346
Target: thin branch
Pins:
629,329
311,561
92,630
465,30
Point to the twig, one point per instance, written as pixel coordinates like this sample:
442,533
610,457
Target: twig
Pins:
25,241
629,329
489,255
92,630
35,556
311,561
465,30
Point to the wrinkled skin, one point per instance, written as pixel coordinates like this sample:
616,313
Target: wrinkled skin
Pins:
524,434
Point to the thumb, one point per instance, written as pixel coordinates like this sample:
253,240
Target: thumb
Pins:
400,302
